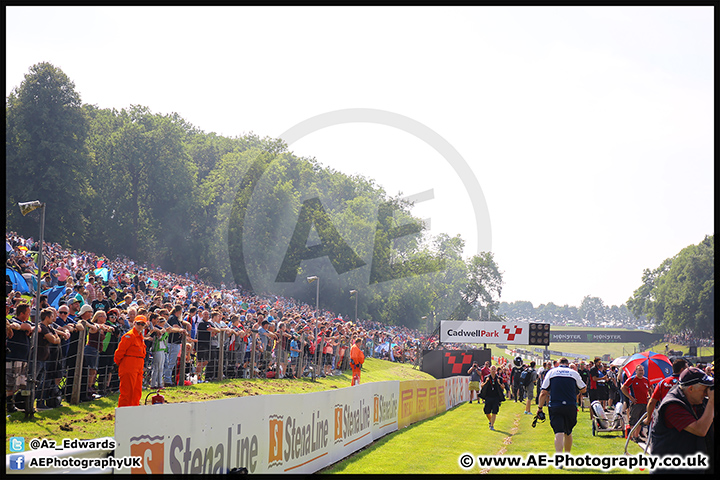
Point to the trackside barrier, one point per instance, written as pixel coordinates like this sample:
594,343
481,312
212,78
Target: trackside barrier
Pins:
299,433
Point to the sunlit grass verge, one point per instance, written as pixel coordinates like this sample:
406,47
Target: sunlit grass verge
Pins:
434,446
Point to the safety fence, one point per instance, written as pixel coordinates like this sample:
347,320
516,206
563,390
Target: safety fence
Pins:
82,368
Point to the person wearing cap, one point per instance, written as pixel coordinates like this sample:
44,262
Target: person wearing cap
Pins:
130,359
682,424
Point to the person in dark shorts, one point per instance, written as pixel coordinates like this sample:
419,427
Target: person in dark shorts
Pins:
559,391
492,392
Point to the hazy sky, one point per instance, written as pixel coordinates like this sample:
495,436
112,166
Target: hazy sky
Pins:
589,130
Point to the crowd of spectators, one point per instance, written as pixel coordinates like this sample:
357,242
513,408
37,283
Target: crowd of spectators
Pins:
689,339
226,332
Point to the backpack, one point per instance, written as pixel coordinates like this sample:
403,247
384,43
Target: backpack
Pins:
526,377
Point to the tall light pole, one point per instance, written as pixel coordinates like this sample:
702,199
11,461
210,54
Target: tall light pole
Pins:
25,208
355,292
317,292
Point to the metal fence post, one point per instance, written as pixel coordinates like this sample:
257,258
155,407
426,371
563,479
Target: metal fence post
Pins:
221,356
77,378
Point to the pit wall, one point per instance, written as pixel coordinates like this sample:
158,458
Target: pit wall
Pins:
298,433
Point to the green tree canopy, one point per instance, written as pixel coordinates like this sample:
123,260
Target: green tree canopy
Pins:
46,156
679,294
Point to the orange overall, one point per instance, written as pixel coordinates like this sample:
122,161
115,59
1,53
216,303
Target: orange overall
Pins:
357,357
130,358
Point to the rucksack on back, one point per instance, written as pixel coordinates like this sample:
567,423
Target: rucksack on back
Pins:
526,377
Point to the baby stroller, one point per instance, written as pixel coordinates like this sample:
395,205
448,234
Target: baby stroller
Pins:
602,421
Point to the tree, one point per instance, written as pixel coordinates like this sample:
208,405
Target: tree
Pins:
482,289
46,129
592,310
679,295
146,186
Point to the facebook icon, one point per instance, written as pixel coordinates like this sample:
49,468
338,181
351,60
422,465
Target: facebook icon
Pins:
17,462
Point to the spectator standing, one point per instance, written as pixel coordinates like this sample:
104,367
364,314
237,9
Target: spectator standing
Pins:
357,358
130,358
96,334
17,354
515,379
584,371
47,357
530,380
156,330
475,379
175,341
637,389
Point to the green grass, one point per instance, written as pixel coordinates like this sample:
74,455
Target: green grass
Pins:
434,445
96,419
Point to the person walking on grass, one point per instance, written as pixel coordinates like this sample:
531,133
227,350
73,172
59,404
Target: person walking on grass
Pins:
559,391
492,392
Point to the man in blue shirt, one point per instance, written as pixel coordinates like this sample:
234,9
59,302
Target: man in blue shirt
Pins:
560,389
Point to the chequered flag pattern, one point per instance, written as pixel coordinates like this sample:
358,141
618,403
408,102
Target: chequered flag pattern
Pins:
458,361
511,336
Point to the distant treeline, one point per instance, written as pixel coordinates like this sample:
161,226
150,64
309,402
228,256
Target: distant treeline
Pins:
244,210
592,312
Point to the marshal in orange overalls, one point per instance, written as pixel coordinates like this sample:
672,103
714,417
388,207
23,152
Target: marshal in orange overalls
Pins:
357,358
130,358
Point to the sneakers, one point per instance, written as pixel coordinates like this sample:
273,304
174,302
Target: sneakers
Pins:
492,428
528,413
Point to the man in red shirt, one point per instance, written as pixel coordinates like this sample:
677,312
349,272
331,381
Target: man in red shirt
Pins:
637,389
662,388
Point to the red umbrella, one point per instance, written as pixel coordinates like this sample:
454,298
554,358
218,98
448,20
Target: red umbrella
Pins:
657,366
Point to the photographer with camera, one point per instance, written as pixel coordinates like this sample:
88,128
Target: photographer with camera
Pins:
559,391
683,423
475,378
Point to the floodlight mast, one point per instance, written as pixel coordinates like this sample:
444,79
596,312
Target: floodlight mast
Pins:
317,291
25,208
